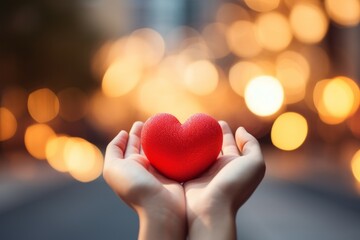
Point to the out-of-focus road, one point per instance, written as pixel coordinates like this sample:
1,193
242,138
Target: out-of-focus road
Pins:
277,210
70,211
293,211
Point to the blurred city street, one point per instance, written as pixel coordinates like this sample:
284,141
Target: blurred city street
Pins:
61,208
75,73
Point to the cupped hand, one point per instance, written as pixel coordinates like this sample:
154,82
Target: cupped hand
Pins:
219,192
129,173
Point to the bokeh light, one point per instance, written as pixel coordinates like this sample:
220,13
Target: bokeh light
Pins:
83,160
336,99
102,58
317,96
36,138
289,131
241,38
170,98
264,95
262,5
145,45
43,105
8,124
184,38
201,77
241,73
195,48
172,68
308,21
273,31
344,12
246,62
355,165
54,151
266,64
355,92
214,36
121,77
108,115
293,71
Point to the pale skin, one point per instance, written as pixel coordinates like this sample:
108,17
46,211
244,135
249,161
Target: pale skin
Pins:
203,208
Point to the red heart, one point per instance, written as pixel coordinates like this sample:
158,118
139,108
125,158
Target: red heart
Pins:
181,152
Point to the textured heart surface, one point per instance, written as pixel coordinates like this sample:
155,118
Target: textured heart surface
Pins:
181,151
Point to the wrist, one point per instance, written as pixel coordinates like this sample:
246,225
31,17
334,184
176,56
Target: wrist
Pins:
213,222
161,223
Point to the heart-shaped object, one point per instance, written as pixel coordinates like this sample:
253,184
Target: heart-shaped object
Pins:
181,151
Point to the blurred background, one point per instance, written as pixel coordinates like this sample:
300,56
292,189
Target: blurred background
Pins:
74,73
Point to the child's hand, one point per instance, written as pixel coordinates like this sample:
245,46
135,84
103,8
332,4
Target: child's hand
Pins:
159,202
213,199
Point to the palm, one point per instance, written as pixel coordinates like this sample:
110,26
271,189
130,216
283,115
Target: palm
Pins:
134,179
233,176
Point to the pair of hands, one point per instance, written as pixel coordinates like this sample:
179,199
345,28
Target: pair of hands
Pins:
203,208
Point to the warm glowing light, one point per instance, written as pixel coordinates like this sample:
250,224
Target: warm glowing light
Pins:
318,93
262,5
345,12
201,77
109,115
73,104
241,73
121,77
145,45
355,92
289,131
43,105
228,13
355,165
293,71
188,42
273,31
267,65
170,97
264,95
173,67
214,36
55,153
309,22
8,124
195,49
83,159
241,39
101,59
36,138
183,37
336,99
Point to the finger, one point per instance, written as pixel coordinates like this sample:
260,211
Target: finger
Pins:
134,142
116,147
247,143
142,151
229,146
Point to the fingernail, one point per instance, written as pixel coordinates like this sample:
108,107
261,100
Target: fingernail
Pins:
242,129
